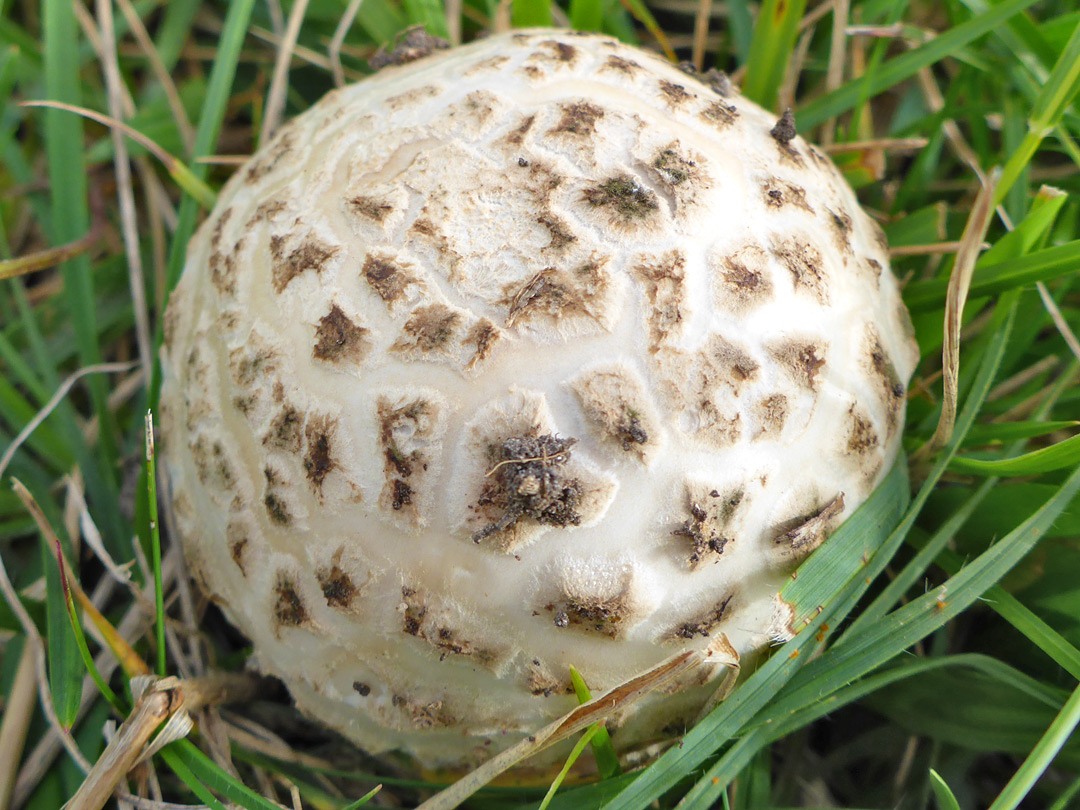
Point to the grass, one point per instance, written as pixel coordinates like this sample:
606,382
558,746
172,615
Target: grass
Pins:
941,664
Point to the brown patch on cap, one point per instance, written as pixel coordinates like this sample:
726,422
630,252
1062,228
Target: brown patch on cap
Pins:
806,265
801,535
337,586
673,168
708,524
338,339
742,281
318,460
862,438
624,198
673,94
771,413
237,537
489,65
801,361
223,272
311,254
616,404
841,225
411,44
560,51
785,131
560,232
483,335
289,608
720,114
369,207
886,378
387,278
704,624
286,430
212,464
542,683
411,424
729,361
664,280
517,135
578,119
555,293
606,611
268,159
627,67
429,329
778,193
526,480
422,714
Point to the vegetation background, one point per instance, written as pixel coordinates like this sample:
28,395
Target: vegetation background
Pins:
941,650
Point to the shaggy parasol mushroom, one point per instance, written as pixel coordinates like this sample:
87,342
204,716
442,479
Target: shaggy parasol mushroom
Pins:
533,353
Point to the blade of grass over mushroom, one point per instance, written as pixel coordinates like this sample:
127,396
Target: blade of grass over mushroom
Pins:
607,761
895,70
641,13
871,524
575,752
774,37
1041,756
810,610
433,17
586,15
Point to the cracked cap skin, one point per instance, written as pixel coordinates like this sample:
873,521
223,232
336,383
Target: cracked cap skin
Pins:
532,353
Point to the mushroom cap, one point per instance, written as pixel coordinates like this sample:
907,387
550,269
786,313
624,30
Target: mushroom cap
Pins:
532,353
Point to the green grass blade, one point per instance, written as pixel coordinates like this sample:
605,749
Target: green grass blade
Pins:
1056,95
946,800
367,797
996,432
906,65
432,15
586,15
1043,265
1062,455
200,769
607,762
180,768
579,746
1043,754
155,541
775,32
531,13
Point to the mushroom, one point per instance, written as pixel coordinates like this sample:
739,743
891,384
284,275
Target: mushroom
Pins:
531,353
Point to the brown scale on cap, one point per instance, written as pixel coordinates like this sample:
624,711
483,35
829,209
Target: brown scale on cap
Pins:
558,52
271,157
277,507
797,537
770,413
310,255
338,339
801,361
387,277
784,134
674,168
318,459
616,404
517,134
578,120
606,611
482,336
841,225
491,65
371,208
238,536
561,234
779,193
421,714
411,44
542,683
673,94
407,429
663,278
806,266
337,586
627,67
289,608
223,273
705,623
412,98
526,482
623,198
887,380
720,114
862,439
741,280
430,329
253,364
731,361
554,293
286,431
708,526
